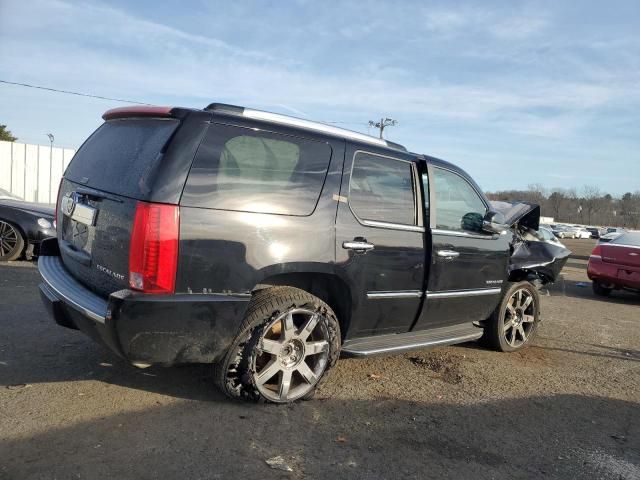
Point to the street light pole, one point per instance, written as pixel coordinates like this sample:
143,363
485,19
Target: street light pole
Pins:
51,139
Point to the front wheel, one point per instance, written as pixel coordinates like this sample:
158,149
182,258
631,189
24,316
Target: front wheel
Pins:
11,242
286,345
514,322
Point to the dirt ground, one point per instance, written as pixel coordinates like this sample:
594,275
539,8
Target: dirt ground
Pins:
567,407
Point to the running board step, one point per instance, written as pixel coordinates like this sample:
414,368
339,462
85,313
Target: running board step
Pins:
398,342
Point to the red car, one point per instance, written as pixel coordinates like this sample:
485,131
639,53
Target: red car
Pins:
616,265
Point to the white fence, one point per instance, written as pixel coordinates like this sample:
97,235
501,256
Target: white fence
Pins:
32,172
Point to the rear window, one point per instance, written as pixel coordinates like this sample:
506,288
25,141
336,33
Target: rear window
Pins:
632,239
254,170
120,157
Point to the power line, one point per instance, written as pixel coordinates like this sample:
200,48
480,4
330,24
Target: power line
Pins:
80,94
69,92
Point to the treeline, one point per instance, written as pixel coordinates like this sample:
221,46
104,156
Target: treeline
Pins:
586,206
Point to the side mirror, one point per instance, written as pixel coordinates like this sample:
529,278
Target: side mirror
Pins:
494,222
472,222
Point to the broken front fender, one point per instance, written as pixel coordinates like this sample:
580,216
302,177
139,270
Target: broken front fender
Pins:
539,258
531,254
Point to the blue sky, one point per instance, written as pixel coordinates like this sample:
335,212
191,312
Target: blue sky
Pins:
516,93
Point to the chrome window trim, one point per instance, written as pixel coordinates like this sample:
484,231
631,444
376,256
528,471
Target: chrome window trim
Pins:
464,293
461,233
395,294
391,226
376,223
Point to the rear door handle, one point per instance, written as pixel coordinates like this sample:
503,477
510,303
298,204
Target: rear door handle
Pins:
358,246
448,254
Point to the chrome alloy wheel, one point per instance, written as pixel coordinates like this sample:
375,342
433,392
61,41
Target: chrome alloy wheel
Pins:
8,238
519,317
291,355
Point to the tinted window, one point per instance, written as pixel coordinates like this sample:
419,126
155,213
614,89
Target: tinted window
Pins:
381,189
256,171
632,239
121,156
458,206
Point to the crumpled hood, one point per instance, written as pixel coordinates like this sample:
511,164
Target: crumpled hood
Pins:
524,214
542,259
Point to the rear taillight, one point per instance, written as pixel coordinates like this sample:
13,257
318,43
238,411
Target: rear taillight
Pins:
56,215
597,252
153,252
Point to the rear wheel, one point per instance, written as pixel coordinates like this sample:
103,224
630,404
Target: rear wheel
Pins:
599,290
514,322
288,341
11,242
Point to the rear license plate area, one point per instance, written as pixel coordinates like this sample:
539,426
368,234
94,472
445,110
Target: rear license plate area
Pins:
629,275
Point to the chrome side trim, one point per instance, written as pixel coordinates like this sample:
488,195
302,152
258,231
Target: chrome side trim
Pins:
392,226
464,293
609,244
311,125
455,233
395,294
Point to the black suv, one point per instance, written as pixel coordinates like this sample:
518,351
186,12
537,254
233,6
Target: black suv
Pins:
269,245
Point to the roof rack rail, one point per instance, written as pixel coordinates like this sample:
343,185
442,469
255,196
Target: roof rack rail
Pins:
301,123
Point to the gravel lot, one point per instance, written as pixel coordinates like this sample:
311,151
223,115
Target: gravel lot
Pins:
568,407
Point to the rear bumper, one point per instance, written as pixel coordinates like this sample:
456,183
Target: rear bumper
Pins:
144,329
610,273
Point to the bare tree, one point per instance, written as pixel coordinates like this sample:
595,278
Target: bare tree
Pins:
590,199
591,207
555,202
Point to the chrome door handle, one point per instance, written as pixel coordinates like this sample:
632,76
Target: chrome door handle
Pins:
358,246
448,254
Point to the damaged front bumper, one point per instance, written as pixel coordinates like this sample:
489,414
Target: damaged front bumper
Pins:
543,260
144,329
531,255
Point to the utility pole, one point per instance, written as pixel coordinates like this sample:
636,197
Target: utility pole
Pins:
51,138
383,123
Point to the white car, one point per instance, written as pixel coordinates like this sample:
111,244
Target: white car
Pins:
582,233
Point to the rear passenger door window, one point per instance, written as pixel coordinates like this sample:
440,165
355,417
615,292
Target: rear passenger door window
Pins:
458,205
258,171
381,189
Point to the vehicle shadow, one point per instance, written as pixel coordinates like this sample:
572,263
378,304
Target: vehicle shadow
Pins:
602,351
564,436
582,289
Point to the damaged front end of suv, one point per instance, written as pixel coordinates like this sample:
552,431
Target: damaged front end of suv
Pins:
535,257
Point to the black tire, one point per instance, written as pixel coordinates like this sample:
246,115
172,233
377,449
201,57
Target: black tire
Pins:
507,331
237,373
599,290
11,242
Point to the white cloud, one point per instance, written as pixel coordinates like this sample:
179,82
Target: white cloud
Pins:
126,56
462,20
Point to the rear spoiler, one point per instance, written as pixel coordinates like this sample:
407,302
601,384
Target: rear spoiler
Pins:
137,111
